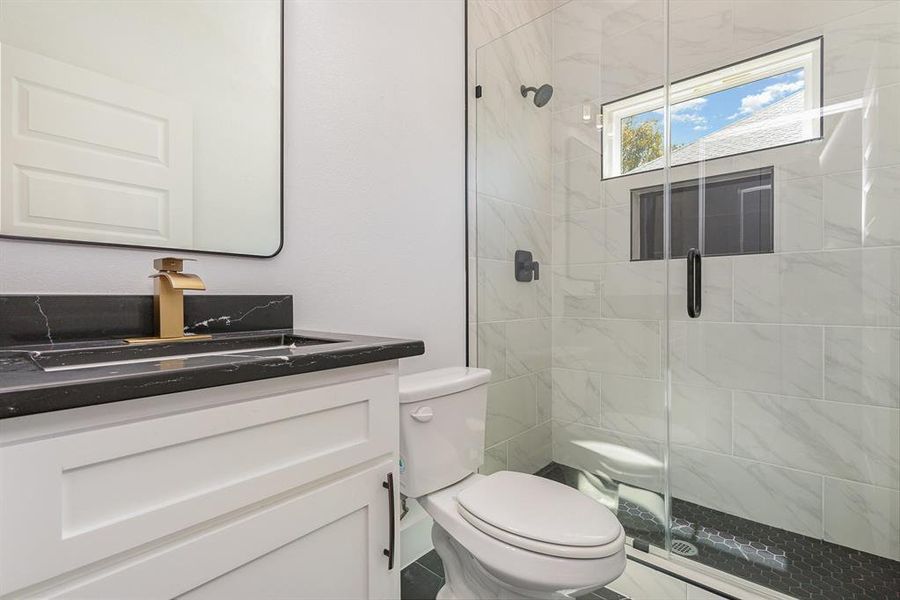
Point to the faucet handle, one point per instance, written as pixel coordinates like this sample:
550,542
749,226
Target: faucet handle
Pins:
170,263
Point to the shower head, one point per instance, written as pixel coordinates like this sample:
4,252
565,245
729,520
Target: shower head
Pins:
542,94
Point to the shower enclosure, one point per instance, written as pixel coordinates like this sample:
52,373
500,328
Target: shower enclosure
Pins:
710,345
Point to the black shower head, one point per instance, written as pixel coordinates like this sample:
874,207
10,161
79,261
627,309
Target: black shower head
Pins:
542,94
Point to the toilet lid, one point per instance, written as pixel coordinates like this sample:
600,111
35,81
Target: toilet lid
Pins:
539,509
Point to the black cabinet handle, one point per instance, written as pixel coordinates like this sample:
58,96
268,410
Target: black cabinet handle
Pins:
389,551
694,283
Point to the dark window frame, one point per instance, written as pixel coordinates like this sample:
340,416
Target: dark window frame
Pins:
635,226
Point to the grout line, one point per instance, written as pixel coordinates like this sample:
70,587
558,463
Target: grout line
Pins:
429,570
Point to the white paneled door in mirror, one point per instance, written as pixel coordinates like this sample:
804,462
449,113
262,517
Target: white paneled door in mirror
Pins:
154,123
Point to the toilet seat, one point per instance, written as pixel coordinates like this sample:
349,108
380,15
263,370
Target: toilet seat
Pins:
540,515
538,546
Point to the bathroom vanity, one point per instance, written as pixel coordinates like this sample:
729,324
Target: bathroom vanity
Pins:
238,471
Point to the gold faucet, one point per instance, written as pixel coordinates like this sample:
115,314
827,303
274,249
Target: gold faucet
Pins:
169,284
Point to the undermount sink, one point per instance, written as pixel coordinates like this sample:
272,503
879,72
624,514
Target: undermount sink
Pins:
95,354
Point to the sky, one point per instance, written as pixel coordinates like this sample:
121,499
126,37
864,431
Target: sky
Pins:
696,118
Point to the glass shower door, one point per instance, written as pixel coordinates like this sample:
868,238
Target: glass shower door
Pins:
576,346
784,279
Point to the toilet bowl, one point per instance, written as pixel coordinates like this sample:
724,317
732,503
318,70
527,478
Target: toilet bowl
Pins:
505,535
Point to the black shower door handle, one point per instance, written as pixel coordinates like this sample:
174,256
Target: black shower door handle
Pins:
694,283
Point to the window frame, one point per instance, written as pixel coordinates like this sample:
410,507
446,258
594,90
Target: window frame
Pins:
806,55
698,182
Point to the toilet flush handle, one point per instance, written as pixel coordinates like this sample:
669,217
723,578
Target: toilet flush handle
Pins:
423,414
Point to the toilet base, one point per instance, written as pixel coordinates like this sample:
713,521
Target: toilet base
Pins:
466,579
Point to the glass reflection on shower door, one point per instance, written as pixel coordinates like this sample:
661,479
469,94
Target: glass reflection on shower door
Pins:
785,390
578,385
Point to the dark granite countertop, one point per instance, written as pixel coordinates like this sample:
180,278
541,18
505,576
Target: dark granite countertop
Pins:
27,389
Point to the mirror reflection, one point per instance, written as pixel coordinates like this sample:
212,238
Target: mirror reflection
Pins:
148,122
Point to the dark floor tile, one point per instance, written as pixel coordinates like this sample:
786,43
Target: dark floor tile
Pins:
433,563
791,563
602,594
418,583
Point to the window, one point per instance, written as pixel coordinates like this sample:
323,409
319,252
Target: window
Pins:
735,211
765,102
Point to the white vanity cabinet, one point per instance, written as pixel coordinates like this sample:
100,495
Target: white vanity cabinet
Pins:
269,489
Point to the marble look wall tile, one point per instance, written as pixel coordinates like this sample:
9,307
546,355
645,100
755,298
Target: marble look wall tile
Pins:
492,349
490,19
576,396
508,171
623,458
634,406
577,185
494,459
861,443
798,213
772,495
754,25
543,291
609,346
700,34
701,418
717,289
846,287
513,136
634,290
881,226
511,408
571,136
617,191
881,114
527,346
543,395
504,227
633,62
843,210
491,230
527,229
500,296
862,51
583,30
577,290
643,583
778,359
532,450
864,517
593,236
862,365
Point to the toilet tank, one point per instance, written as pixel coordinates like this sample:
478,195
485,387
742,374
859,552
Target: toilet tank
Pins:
442,415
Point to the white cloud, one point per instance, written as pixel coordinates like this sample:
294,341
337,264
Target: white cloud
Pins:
689,105
700,128
694,118
767,96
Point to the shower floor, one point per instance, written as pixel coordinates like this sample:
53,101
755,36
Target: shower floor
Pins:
790,563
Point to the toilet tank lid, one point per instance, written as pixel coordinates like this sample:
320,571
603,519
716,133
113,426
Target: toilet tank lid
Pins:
441,382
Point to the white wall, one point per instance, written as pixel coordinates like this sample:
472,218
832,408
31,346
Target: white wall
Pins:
374,209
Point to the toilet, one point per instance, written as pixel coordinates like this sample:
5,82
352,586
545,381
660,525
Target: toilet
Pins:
505,535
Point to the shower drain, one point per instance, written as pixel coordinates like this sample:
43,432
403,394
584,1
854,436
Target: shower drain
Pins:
683,548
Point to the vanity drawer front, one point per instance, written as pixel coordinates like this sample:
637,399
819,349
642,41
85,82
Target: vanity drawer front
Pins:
71,500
